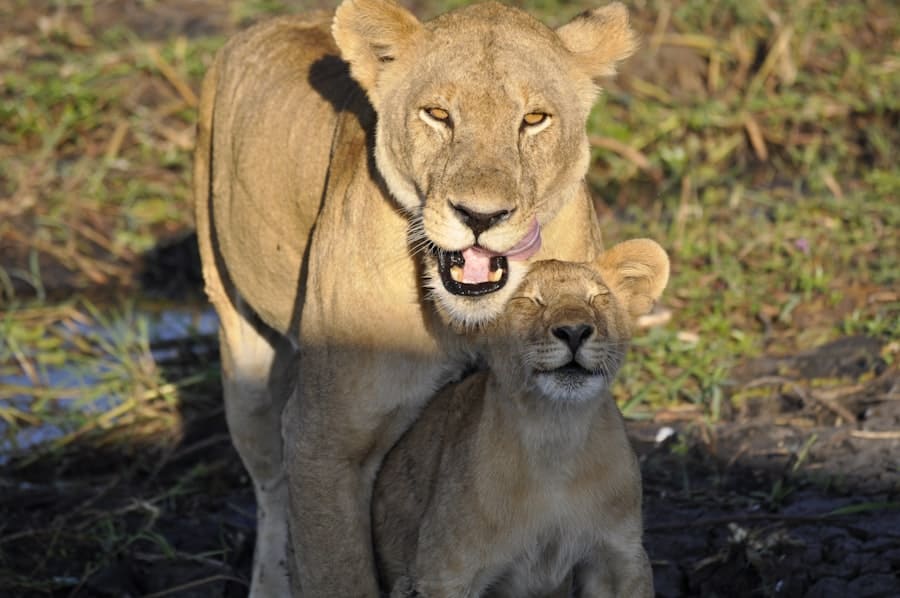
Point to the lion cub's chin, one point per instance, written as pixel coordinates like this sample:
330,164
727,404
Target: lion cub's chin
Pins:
463,313
563,386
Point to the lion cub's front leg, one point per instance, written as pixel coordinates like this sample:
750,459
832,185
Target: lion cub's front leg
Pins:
407,587
614,572
404,587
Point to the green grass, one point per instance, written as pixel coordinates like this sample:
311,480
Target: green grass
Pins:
758,151
94,149
785,275
89,375
771,181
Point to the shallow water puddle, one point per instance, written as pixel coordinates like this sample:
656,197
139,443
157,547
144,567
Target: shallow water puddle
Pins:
82,367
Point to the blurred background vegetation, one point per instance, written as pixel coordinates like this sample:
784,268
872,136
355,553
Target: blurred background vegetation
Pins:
755,139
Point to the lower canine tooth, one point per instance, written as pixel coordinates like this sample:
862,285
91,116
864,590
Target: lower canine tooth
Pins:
456,273
495,275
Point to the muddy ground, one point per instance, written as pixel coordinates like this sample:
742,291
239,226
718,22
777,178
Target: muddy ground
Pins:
787,498
735,509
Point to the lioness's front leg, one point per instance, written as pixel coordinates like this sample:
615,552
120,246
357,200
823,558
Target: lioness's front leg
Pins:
348,411
256,383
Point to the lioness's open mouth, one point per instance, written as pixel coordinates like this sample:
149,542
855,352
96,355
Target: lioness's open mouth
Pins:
477,271
487,275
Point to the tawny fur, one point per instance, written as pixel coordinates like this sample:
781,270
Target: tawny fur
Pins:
512,483
318,225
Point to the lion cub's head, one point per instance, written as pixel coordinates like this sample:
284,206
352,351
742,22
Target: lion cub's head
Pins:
481,130
565,332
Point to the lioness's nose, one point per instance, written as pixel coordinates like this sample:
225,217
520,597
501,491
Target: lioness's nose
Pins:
574,336
479,221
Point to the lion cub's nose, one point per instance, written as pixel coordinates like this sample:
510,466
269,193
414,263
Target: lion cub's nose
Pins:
479,221
574,336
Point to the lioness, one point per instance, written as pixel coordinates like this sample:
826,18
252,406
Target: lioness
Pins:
519,474
351,172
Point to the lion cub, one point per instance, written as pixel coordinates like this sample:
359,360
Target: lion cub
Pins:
521,474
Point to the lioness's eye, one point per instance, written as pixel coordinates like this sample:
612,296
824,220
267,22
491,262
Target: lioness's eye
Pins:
534,118
438,114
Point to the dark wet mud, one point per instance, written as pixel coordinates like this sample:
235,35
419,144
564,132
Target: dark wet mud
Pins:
797,495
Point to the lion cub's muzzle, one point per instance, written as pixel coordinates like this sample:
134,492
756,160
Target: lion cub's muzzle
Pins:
575,362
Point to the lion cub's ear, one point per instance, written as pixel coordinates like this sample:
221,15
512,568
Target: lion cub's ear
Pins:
600,39
636,271
371,33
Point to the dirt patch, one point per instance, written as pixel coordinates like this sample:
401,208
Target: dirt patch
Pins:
758,522
796,496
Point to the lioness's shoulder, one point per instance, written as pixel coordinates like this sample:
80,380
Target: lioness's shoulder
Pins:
292,38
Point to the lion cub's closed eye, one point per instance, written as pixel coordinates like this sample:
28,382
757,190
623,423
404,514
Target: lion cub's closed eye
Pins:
567,332
520,478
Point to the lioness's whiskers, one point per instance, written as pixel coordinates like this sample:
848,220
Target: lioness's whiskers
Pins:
420,246
417,243
417,240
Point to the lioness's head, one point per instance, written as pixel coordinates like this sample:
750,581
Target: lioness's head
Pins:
565,331
481,130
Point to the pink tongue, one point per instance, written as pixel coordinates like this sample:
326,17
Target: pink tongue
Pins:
528,246
478,260
477,266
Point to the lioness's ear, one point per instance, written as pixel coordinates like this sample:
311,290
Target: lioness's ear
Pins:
637,272
600,39
371,33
